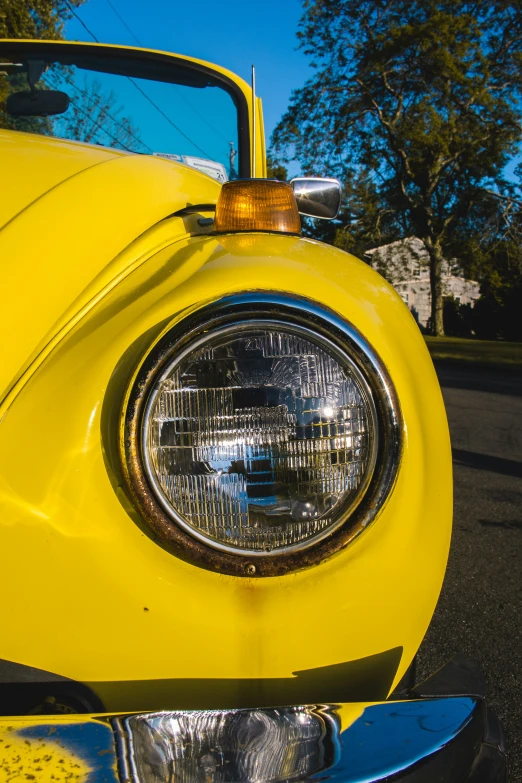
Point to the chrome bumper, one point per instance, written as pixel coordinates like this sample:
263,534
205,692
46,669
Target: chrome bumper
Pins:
431,736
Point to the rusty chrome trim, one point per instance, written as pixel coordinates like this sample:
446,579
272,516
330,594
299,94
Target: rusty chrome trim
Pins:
325,326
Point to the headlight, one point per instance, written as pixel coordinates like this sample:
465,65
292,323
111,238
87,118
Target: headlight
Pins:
267,746
256,429
259,437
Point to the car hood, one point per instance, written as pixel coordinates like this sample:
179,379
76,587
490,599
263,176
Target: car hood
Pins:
33,165
69,212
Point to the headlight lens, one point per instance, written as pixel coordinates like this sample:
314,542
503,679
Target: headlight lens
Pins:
261,434
260,437
266,746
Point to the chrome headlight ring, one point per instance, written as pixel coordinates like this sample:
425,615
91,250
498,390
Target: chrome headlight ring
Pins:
228,319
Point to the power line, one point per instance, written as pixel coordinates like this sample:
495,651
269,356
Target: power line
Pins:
168,118
140,89
207,123
104,130
73,12
112,117
124,23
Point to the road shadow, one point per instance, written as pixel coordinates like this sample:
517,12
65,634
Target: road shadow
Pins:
507,524
486,379
471,459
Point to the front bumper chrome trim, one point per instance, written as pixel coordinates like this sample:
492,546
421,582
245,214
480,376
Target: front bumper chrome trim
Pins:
448,739
416,740
441,732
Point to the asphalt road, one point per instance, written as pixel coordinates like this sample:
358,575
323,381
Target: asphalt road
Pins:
480,608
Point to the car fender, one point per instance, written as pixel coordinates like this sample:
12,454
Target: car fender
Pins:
139,625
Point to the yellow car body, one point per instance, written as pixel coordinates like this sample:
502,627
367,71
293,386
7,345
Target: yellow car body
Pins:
95,267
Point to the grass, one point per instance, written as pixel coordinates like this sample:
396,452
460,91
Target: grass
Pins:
479,353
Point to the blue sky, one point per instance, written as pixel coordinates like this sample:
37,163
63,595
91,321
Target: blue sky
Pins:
230,33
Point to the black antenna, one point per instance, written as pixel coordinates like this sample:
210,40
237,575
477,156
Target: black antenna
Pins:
253,174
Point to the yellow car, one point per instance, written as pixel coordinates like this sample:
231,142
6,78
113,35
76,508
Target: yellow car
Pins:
225,468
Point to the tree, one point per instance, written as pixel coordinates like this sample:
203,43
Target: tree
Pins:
35,18
416,106
30,19
275,170
494,256
94,115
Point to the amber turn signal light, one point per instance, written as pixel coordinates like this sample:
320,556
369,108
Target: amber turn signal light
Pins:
257,205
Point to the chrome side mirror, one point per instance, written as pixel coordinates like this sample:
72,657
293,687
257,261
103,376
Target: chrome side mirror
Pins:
317,197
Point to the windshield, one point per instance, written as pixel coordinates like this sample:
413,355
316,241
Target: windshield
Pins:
141,102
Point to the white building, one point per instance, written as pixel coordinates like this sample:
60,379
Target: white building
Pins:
405,264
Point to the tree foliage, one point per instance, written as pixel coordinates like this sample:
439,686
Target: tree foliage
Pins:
415,105
94,115
35,18
30,19
274,169
492,253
